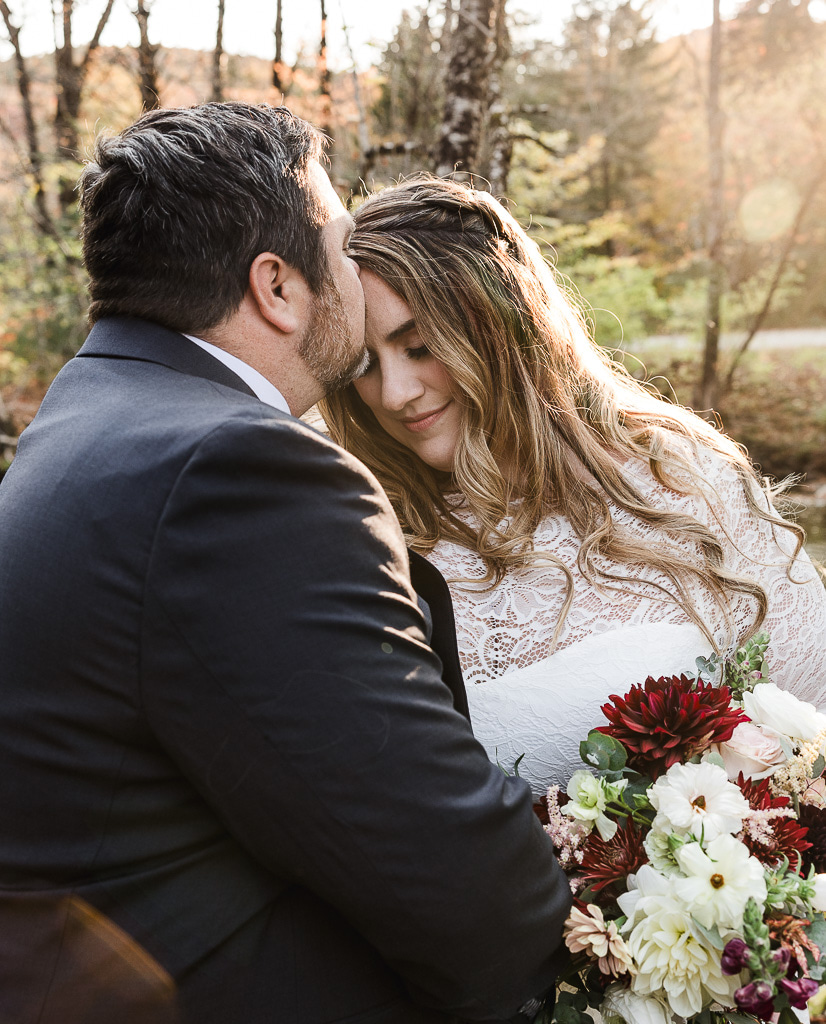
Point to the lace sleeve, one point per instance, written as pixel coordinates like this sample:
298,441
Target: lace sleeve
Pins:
796,616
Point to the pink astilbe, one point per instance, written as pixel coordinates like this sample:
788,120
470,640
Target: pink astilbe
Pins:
567,834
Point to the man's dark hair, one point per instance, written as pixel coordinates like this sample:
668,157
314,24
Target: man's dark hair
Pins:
177,207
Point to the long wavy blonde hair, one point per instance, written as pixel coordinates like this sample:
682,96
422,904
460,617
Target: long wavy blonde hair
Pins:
538,396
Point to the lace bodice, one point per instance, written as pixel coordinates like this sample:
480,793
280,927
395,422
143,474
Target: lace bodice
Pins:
527,698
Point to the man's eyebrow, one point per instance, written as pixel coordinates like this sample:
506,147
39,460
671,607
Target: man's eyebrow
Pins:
402,329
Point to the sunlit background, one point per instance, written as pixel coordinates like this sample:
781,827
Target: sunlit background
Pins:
595,129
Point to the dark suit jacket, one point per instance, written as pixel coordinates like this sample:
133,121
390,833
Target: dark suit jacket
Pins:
233,786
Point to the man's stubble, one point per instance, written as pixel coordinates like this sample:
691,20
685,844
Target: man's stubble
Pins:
327,346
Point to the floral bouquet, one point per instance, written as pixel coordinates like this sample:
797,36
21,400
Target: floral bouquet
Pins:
695,844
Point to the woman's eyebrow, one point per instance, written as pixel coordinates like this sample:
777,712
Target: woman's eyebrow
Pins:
397,332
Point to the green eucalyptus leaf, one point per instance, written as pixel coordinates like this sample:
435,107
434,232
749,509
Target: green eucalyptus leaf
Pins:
603,752
817,933
567,1014
818,766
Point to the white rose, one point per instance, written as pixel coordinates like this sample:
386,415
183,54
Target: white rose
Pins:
752,751
783,713
623,1004
588,800
819,898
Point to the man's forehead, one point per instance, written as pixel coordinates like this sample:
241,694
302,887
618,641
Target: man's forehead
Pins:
325,192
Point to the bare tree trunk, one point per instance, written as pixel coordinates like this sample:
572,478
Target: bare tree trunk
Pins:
466,88
324,77
71,77
218,58
43,218
708,389
363,129
500,142
147,52
278,79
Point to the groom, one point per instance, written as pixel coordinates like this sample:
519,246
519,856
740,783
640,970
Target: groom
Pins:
234,787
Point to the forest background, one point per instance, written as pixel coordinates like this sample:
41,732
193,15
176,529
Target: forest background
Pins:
678,184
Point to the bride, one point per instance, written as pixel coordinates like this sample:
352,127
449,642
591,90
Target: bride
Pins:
591,533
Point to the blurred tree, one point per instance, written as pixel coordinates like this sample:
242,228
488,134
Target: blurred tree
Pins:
410,88
217,94
70,76
610,80
34,160
497,139
147,57
708,387
472,46
279,82
325,79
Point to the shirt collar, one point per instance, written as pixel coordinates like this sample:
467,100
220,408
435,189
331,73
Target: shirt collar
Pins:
264,390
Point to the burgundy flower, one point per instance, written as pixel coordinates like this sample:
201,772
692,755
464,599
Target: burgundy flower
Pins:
736,956
757,998
787,837
606,862
800,991
814,819
668,720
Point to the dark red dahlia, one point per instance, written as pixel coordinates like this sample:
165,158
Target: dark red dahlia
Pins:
814,819
759,794
668,720
604,862
776,838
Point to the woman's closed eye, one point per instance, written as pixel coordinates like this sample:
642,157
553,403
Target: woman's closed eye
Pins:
417,351
413,352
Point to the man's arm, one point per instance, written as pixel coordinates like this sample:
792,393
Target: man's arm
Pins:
284,668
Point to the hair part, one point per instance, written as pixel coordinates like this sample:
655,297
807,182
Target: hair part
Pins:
178,205
538,396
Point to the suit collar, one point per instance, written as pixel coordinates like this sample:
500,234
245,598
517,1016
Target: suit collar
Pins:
123,337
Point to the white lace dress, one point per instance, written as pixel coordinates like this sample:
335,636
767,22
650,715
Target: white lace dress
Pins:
527,699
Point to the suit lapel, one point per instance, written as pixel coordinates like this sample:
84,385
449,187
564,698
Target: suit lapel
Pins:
121,337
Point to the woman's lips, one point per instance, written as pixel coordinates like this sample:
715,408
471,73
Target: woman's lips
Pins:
426,422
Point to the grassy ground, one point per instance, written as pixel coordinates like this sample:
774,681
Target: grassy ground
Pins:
776,408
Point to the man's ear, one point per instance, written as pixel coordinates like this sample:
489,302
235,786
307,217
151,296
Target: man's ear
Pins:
280,292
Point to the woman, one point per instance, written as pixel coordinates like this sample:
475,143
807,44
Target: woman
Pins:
592,533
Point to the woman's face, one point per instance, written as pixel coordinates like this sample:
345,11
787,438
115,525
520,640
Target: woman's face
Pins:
407,389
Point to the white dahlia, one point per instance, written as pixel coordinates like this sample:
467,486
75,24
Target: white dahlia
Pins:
671,956
697,799
719,881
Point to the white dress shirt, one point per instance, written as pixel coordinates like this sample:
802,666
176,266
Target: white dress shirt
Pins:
262,388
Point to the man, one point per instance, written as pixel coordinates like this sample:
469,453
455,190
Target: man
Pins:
234,787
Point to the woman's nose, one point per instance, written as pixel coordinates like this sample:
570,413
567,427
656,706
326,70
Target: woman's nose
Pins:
399,386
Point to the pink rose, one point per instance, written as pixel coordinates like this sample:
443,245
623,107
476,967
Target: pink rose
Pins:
815,793
751,751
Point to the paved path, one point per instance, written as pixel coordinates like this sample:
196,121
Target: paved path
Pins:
807,337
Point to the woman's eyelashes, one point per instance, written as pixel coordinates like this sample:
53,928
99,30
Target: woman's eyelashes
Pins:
413,352
417,352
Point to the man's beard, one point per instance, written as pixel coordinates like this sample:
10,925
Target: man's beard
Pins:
327,346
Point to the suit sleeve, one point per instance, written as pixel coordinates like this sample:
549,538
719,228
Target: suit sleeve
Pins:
284,668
